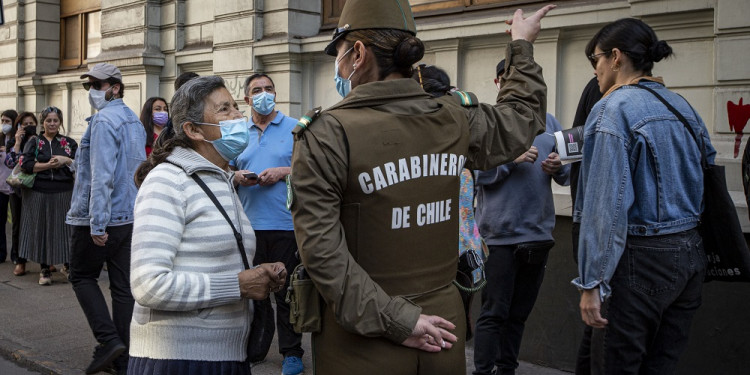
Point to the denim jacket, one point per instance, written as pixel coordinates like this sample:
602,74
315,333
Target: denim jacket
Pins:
640,176
110,151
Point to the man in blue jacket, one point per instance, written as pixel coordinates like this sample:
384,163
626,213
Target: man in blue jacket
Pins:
101,213
516,216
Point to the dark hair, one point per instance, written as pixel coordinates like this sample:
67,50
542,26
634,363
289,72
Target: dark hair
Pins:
634,38
254,77
395,50
55,110
434,80
147,118
11,114
114,81
18,121
182,78
188,105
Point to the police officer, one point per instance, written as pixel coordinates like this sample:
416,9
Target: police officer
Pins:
375,181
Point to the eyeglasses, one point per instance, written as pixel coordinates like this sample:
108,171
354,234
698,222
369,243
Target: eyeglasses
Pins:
97,85
593,58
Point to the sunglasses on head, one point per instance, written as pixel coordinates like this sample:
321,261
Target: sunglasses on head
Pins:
97,85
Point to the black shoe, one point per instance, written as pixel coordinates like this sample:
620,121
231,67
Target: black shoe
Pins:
104,355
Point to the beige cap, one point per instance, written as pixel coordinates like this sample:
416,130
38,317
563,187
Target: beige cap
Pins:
370,14
104,71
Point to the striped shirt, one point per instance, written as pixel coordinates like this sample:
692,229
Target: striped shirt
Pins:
184,265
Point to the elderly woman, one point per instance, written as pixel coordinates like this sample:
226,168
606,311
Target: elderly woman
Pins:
192,313
376,181
45,237
641,261
24,128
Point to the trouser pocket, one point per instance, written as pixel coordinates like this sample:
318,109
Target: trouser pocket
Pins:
652,269
533,252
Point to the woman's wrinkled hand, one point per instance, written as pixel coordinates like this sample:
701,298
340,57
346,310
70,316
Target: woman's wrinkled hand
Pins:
431,334
257,283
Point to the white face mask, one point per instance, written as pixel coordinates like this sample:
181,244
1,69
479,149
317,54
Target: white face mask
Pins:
98,98
7,128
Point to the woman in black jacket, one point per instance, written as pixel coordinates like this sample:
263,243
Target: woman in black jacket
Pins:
45,237
24,128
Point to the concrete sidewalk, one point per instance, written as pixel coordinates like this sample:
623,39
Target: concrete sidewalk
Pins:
44,329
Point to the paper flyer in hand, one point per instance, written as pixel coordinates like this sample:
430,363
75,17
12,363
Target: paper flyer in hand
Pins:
569,144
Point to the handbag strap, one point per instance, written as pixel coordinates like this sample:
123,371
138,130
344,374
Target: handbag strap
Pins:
237,235
701,145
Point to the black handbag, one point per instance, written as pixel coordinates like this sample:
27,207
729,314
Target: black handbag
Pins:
469,279
726,250
263,326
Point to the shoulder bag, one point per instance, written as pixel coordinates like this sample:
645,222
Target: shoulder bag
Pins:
18,178
726,250
263,327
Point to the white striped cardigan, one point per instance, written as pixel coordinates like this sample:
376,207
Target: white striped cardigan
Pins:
184,265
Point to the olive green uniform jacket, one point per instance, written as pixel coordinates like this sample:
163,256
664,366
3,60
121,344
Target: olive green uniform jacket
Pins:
375,183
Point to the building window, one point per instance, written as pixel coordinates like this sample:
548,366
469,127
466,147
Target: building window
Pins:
332,8
80,32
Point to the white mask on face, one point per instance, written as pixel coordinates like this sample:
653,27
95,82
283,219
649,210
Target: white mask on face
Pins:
98,98
7,128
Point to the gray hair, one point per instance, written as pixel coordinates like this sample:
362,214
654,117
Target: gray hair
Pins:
188,102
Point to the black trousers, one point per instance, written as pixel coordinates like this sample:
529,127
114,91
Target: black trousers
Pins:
86,262
656,290
507,300
280,246
3,219
15,214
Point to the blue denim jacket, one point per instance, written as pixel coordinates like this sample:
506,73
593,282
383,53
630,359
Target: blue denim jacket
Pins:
640,175
111,149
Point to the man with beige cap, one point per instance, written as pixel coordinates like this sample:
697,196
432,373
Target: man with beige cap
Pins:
101,213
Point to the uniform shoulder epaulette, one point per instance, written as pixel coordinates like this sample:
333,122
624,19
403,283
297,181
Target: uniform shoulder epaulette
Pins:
306,120
464,98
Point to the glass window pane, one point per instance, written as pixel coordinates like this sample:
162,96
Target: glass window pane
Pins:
93,34
72,38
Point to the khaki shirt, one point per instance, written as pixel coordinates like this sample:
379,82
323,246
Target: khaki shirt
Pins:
364,265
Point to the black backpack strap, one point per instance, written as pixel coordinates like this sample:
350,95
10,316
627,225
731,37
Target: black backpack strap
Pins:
237,235
701,145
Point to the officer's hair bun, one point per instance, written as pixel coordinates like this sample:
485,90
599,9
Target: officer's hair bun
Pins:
659,51
408,51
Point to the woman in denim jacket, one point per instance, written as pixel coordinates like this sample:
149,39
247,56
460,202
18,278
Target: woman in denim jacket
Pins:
641,260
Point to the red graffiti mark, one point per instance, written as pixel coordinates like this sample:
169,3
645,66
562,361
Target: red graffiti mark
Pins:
738,115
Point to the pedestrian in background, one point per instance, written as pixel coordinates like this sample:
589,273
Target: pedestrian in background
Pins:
7,118
24,128
516,217
589,97
192,314
101,214
154,117
263,195
641,260
383,267
45,236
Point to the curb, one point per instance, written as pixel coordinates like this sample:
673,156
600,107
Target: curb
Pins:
27,359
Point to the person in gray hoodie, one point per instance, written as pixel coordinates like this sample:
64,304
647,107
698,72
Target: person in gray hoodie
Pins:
516,216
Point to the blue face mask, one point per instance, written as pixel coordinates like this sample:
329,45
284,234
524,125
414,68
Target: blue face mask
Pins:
235,136
263,103
343,86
